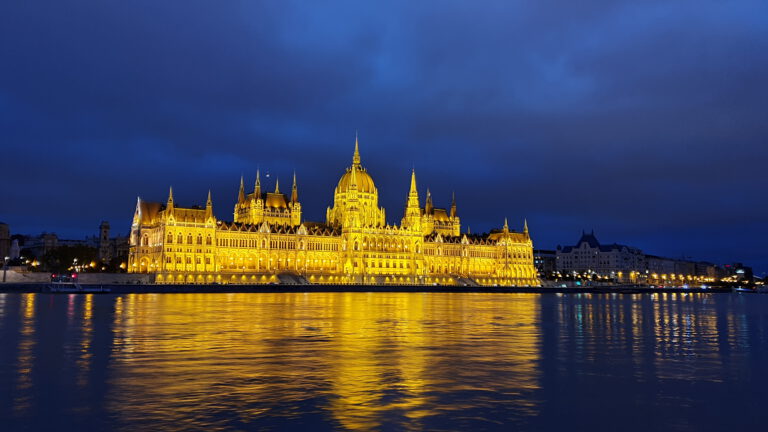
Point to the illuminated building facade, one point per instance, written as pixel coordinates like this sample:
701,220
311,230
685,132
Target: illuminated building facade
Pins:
268,242
626,264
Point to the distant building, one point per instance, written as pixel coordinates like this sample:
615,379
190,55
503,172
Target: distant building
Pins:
110,248
545,262
738,272
589,257
15,251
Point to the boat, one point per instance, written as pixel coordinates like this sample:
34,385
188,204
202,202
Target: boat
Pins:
742,290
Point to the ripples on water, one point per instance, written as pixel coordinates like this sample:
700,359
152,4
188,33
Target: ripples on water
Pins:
392,361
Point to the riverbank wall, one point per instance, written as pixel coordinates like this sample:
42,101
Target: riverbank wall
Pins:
162,288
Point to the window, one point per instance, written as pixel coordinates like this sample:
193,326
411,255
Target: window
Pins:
170,238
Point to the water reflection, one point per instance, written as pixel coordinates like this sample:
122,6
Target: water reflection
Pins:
359,361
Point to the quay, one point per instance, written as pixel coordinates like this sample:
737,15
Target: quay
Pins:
276,288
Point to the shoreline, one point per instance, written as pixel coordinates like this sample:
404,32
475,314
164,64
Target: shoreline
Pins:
226,289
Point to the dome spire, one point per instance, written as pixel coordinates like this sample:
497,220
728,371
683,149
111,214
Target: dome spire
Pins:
356,156
277,185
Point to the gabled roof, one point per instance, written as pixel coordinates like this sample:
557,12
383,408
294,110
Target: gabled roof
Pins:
591,240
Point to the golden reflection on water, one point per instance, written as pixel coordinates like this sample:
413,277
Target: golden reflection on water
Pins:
84,358
367,361
365,354
22,401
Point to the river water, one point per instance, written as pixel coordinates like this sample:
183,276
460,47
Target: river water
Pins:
384,361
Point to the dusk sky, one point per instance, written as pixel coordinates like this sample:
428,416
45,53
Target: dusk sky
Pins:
646,121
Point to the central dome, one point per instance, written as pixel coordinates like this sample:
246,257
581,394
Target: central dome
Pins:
364,180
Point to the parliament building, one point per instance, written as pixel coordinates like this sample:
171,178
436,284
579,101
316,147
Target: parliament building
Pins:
268,242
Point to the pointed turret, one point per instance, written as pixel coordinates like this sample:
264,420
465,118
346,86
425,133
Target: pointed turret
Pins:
412,208
525,226
356,155
170,202
209,206
294,190
257,186
413,193
428,206
241,193
453,205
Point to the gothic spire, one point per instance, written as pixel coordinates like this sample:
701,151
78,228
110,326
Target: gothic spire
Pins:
294,190
257,186
525,226
277,185
453,205
428,205
356,156
209,203
506,226
170,197
241,193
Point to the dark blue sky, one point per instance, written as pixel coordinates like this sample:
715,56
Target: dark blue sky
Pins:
646,121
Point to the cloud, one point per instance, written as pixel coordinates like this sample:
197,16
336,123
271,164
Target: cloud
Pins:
642,120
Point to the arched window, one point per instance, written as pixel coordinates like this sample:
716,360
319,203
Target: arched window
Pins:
170,238
208,240
189,238
180,239
145,240
199,239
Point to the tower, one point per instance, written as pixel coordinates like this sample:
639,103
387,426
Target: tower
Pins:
104,249
412,218
257,187
294,205
209,207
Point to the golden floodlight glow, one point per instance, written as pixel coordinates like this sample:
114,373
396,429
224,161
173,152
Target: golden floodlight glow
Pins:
267,241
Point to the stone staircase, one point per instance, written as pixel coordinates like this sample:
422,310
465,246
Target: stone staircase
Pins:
292,279
463,281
